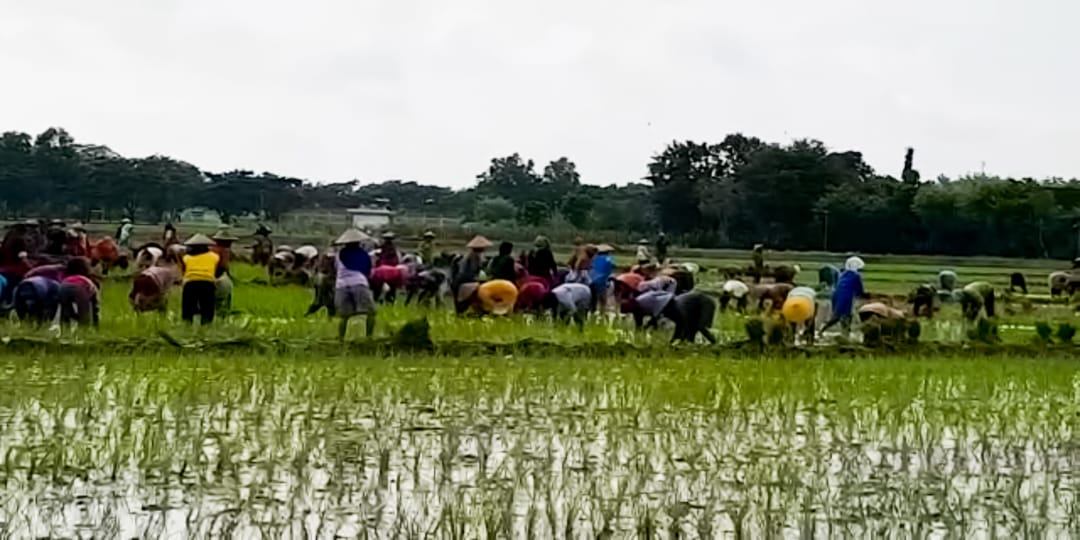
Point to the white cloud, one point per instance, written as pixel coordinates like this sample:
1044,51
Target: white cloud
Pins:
427,90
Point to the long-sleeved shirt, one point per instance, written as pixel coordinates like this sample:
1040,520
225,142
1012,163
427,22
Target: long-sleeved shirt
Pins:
542,263
353,267
603,265
502,267
848,286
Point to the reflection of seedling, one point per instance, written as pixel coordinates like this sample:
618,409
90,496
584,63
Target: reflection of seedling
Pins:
914,330
1066,332
415,335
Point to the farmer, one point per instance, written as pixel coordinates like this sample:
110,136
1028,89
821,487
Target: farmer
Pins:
427,248
168,235
323,285
496,297
123,234
388,252
78,241
785,273
352,293
54,272
465,270
923,299
659,283
1058,281
150,290
649,305
1017,282
946,280
223,241
828,276
757,258
424,286
693,314
263,248
577,253
877,310
531,293
388,280
580,271
976,297
626,286
662,245
36,299
848,287
541,262
775,293
106,252
800,310
200,269
79,295
569,301
502,265
736,290
603,266
643,256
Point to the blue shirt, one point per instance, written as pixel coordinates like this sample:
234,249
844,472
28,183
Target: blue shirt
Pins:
603,265
847,288
356,259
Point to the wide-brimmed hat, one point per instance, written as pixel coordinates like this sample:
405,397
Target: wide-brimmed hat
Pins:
78,226
604,248
429,234
199,240
479,242
351,236
643,242
542,242
389,235
125,220
223,235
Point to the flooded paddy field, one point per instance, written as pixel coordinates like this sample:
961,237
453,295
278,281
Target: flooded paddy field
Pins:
682,445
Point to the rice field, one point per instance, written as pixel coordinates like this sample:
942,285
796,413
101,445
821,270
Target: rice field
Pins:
645,442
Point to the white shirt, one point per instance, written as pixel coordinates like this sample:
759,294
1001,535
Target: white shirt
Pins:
736,288
573,297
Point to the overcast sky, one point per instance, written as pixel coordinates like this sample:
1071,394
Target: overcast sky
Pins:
331,90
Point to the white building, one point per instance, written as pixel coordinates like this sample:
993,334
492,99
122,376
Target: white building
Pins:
370,218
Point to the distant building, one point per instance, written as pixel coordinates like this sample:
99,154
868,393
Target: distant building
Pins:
200,214
96,151
370,218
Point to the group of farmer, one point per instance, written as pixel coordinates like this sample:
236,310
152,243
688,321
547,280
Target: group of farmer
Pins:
61,285
357,273
360,274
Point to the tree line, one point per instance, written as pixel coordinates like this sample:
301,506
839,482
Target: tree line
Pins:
733,193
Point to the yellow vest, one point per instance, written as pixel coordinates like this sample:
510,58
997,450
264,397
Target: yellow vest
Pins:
200,267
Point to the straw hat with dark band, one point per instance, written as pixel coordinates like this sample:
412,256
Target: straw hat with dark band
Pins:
479,242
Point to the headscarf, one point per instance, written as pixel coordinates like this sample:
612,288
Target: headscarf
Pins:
854,264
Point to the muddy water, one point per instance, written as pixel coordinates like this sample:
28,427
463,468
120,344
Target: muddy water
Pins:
270,459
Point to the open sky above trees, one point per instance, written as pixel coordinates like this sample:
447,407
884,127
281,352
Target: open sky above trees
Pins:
331,90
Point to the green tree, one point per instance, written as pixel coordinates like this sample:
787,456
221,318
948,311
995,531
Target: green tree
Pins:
494,210
678,175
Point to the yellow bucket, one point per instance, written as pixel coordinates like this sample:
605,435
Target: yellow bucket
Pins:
498,296
798,309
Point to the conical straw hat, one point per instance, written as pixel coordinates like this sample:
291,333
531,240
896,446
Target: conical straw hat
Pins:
479,242
351,236
199,240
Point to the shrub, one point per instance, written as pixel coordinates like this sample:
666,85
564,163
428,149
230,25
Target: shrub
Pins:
1066,332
